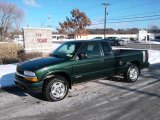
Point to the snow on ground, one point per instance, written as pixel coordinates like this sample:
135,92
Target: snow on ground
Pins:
55,45
154,56
7,72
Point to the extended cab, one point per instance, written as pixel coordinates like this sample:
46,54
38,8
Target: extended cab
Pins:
78,61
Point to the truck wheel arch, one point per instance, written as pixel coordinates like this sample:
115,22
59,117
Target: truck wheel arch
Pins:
137,63
64,74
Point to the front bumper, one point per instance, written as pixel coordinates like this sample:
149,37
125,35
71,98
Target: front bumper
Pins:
29,86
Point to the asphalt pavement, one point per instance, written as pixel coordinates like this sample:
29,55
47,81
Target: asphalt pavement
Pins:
101,99
141,46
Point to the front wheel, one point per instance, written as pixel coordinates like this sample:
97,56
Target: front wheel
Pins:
132,73
56,89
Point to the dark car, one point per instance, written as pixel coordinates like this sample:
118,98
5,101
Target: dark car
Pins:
157,38
114,41
78,61
97,38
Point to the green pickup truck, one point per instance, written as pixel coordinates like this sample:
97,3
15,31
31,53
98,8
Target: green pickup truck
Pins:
78,61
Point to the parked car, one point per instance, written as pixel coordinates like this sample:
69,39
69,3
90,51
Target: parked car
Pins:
97,38
114,41
77,61
125,39
157,38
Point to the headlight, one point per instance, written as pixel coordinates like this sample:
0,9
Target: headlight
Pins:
30,74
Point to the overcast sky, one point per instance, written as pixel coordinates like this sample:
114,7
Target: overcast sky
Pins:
121,13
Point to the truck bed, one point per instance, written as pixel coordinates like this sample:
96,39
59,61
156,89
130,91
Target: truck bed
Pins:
126,56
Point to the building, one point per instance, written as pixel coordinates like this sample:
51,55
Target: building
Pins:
17,38
78,36
58,37
143,35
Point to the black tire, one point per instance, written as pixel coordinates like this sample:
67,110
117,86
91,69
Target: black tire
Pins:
132,73
55,89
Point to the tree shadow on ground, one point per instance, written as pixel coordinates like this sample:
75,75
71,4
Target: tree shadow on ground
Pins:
135,90
152,73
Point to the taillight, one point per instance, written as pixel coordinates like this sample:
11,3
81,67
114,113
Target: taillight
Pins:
145,55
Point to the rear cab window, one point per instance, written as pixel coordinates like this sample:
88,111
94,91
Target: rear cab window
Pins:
107,50
91,49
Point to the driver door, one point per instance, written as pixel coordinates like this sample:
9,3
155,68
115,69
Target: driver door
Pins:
90,67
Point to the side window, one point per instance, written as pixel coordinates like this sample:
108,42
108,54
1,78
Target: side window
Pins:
91,50
106,48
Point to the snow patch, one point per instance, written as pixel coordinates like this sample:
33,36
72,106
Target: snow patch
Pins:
154,56
7,73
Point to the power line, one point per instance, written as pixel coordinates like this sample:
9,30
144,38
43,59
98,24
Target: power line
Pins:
127,16
130,21
131,18
135,6
136,17
137,14
137,20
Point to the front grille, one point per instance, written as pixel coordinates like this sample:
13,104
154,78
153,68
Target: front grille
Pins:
20,71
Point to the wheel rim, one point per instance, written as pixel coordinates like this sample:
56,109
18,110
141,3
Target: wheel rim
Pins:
58,90
133,74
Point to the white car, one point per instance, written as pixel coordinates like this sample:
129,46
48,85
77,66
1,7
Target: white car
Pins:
125,39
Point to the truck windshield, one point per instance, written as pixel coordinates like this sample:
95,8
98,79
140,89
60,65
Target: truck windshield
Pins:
66,50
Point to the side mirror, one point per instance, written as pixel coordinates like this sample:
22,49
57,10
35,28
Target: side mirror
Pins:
82,56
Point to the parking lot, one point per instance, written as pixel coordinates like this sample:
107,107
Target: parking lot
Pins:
101,99
141,46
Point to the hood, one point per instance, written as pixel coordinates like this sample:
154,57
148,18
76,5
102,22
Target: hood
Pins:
34,64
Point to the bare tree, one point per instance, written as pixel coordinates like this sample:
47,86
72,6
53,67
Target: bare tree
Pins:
10,17
77,23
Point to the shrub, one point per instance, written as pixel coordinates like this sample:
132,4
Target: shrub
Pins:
8,52
22,55
13,53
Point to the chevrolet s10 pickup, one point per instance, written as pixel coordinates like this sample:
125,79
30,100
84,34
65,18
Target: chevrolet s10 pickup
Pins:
78,61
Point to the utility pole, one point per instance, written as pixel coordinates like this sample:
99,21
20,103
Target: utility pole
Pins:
105,8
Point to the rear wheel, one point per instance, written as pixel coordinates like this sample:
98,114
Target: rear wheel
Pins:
132,73
56,89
